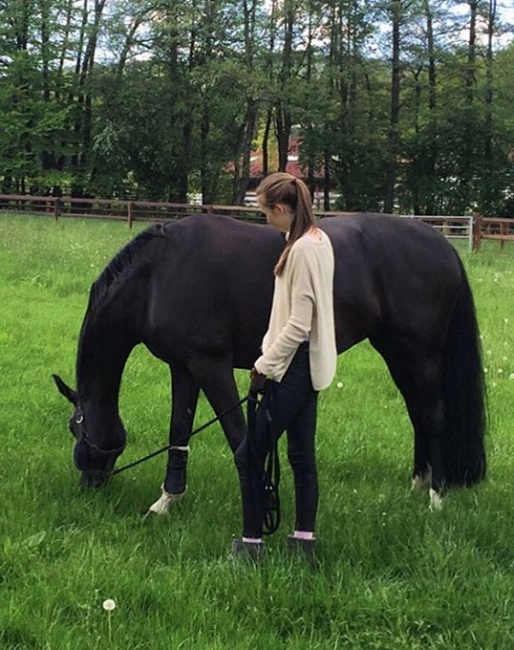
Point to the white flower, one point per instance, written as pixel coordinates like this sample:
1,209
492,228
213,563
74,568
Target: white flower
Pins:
500,371
511,376
504,358
486,370
506,320
109,605
339,384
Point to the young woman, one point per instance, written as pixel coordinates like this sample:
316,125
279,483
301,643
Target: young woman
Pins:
298,360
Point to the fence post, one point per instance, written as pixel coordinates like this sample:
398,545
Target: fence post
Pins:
57,208
130,206
477,231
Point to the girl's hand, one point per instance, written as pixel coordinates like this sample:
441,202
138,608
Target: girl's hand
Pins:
257,381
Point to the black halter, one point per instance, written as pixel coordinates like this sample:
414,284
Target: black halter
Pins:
84,437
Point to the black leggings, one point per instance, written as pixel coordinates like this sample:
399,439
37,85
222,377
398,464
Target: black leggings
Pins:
287,405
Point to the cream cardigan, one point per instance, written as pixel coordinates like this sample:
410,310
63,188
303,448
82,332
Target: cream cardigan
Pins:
303,309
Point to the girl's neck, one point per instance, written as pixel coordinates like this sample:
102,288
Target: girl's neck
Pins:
314,233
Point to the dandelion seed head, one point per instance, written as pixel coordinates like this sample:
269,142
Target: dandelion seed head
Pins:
339,384
109,604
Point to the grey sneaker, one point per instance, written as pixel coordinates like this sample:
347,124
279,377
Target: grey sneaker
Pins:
248,551
303,548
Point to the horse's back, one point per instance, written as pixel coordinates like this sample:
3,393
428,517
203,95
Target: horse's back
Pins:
392,273
212,282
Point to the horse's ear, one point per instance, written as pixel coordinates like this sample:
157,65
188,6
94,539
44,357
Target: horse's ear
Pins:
65,390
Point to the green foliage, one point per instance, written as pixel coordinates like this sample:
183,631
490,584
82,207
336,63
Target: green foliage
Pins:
156,100
393,575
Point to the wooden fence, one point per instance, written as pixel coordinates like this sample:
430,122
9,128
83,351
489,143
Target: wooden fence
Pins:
470,229
501,230
118,210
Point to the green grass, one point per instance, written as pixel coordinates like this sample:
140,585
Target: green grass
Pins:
393,575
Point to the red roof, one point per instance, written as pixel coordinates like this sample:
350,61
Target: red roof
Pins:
292,167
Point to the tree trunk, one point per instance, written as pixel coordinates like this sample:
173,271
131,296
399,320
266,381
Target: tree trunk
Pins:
393,139
283,118
250,119
431,161
265,142
488,184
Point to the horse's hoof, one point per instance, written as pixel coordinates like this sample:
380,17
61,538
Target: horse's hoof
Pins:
164,502
421,481
159,509
148,514
436,500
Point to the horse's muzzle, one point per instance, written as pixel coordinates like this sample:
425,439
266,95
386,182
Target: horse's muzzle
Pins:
94,478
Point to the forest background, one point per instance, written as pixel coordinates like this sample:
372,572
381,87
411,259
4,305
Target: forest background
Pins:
403,105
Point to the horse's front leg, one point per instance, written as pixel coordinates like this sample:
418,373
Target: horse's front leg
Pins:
184,398
216,378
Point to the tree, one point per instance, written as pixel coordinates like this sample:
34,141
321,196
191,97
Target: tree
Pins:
158,99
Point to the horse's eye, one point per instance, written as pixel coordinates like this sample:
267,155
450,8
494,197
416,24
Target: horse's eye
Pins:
80,419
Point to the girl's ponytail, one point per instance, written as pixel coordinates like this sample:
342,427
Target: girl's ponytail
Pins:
293,192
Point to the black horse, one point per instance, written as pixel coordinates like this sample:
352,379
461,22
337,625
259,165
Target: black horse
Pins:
197,292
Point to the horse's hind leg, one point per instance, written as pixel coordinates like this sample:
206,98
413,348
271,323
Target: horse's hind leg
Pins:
184,398
430,396
419,381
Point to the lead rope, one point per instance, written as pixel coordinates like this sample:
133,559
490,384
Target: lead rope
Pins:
271,485
271,471
168,447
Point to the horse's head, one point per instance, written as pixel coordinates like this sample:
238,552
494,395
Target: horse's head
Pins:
93,459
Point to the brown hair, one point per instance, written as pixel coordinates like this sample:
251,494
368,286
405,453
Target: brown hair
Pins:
290,191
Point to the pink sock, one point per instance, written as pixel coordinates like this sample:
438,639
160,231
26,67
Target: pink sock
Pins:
303,534
252,540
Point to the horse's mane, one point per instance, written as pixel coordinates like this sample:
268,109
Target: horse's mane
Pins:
122,265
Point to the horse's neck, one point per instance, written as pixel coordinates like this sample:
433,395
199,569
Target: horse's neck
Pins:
103,352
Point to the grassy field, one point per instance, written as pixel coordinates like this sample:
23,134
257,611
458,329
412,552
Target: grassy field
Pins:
393,575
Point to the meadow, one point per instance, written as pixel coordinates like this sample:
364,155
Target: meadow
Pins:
393,575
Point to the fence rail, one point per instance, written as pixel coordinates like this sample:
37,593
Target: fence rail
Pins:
470,229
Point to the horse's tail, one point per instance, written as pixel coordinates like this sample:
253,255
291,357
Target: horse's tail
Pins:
464,394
